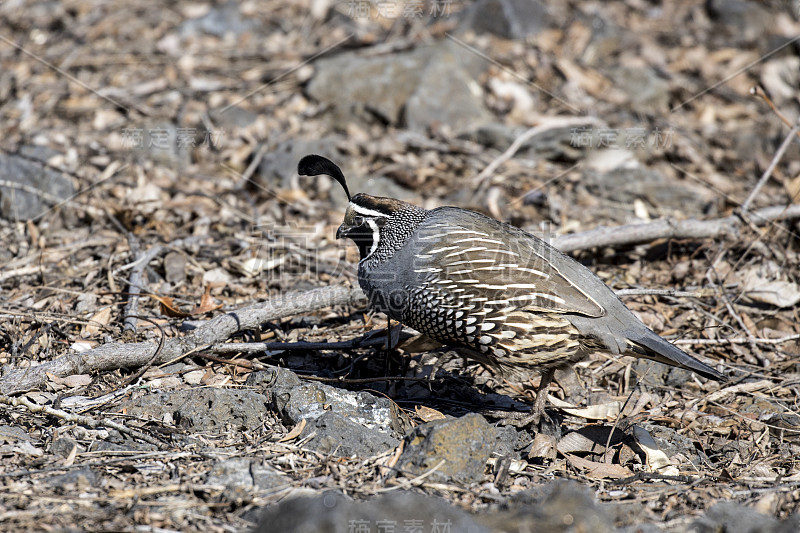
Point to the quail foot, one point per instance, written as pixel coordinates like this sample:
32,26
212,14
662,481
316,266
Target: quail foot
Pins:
502,296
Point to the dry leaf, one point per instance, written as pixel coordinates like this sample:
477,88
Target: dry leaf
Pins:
793,188
603,411
76,380
427,414
206,304
777,293
96,322
656,460
295,432
543,446
762,284
599,470
168,307
589,439
70,459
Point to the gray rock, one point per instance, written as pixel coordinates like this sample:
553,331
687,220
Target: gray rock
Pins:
219,21
464,444
743,22
30,188
331,512
732,517
278,167
448,95
63,446
625,185
507,442
162,143
175,267
557,144
76,480
213,410
404,88
12,434
333,434
273,378
40,153
232,117
246,472
511,19
560,506
647,92
312,400
673,443
379,186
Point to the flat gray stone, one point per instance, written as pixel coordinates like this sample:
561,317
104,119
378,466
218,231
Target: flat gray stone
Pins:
312,400
278,167
333,434
28,188
397,511
647,92
246,472
733,517
213,410
560,506
511,19
404,89
462,446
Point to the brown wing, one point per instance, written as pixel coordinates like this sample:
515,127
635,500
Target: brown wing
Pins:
507,297
479,255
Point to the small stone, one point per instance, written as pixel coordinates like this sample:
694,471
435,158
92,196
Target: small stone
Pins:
247,472
338,436
396,511
511,19
30,188
458,447
175,267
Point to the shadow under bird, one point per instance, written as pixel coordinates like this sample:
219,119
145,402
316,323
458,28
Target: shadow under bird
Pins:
500,295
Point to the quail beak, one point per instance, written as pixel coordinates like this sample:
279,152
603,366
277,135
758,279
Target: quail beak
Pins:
342,231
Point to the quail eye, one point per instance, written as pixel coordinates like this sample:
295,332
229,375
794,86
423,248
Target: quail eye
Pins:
358,221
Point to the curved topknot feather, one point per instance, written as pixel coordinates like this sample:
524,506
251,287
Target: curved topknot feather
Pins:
316,165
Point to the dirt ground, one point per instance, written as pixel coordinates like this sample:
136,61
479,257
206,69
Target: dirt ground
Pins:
148,187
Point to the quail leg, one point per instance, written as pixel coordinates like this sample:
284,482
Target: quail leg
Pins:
534,417
541,395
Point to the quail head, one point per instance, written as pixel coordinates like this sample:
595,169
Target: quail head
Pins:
503,296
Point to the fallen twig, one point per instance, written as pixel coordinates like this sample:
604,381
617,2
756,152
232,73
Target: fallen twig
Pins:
113,355
548,124
373,338
738,340
670,228
775,160
80,419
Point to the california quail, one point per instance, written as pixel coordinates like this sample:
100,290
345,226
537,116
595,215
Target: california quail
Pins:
505,297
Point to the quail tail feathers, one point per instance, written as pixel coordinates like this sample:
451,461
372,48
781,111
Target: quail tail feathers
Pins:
651,346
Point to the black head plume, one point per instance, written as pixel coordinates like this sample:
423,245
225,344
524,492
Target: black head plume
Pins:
316,165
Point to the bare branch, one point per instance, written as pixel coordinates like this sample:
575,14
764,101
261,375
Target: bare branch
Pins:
115,355
670,229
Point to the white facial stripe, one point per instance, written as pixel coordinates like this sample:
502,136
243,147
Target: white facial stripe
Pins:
376,235
368,212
